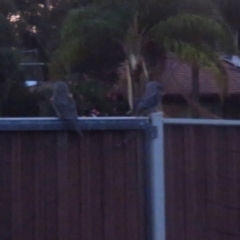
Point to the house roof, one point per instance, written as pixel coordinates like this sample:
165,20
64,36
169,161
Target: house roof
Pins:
177,78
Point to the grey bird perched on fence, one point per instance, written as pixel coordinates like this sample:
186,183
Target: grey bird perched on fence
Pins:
151,100
64,105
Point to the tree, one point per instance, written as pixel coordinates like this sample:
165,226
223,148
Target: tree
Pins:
9,59
197,39
230,11
97,38
89,40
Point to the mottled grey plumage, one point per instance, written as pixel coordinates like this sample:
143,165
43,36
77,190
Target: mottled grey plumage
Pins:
151,99
64,105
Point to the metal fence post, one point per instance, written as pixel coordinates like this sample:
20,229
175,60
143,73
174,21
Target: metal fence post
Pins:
157,180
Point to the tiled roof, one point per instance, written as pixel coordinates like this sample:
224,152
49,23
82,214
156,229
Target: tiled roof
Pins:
177,78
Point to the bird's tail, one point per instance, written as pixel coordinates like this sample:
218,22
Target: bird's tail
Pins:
75,124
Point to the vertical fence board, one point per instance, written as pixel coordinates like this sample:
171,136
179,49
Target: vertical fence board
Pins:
175,183
91,181
141,159
17,215
216,211
5,186
49,184
63,186
114,194
75,156
93,171
39,183
195,183
108,214
134,195
27,185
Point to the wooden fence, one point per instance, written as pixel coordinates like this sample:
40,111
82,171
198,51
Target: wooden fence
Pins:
57,186
202,175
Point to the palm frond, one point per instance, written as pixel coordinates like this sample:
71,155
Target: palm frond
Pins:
196,40
194,29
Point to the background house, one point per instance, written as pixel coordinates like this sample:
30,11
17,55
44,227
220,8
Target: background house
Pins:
177,81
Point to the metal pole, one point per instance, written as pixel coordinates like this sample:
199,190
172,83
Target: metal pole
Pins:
157,180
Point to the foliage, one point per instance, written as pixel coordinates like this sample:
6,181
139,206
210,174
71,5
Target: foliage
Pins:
205,8
7,38
94,37
91,34
230,11
9,59
20,102
93,94
196,39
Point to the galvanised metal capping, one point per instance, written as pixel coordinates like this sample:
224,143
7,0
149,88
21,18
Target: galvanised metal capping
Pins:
190,121
86,123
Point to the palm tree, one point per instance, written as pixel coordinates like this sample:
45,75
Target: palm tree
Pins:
197,39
